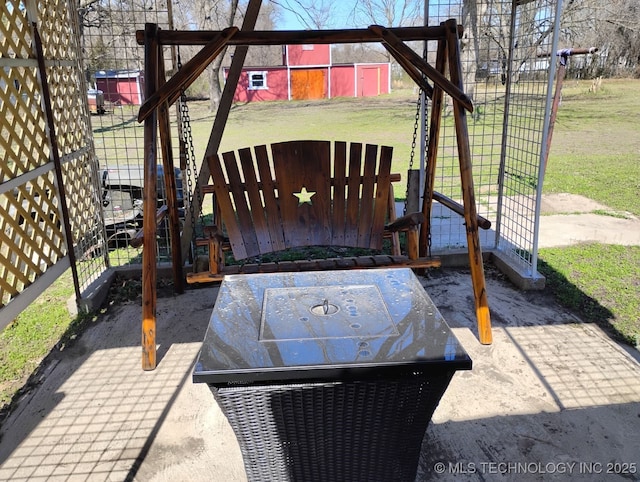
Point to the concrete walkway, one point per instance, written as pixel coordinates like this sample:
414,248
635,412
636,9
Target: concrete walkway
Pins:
570,219
552,398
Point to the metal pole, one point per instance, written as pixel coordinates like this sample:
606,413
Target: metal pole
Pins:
564,55
545,136
423,111
505,128
55,155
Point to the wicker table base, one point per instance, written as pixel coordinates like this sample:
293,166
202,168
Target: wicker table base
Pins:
340,431
330,376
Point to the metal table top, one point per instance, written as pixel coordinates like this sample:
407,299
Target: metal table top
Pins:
329,325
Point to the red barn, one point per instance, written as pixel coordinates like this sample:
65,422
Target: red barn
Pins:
121,87
308,73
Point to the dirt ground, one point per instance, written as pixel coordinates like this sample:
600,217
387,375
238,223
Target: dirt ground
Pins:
553,398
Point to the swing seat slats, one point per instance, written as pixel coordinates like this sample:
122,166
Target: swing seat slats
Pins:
308,193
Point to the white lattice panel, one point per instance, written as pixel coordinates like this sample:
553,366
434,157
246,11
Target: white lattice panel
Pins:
32,232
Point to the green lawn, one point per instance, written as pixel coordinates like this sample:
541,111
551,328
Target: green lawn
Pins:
599,282
595,152
45,324
596,146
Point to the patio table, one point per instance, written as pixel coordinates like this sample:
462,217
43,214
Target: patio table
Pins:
328,375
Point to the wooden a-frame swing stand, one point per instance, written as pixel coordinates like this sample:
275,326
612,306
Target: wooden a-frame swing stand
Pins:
160,95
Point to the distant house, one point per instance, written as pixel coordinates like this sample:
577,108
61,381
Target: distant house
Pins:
121,87
308,73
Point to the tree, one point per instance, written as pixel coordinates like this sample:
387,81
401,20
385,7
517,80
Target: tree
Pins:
217,15
214,15
264,55
610,26
313,14
388,13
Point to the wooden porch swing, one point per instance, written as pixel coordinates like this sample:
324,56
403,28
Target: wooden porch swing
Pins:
312,179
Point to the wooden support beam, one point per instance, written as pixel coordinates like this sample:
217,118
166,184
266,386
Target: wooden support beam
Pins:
170,91
468,196
458,208
411,70
204,174
394,44
293,37
432,151
149,267
170,186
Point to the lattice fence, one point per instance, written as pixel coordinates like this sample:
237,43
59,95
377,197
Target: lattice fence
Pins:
33,219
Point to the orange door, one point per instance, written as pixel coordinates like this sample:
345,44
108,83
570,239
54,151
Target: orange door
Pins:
307,84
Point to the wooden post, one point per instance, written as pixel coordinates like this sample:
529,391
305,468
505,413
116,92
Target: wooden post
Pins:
432,150
170,184
405,56
466,179
171,90
413,191
220,121
149,268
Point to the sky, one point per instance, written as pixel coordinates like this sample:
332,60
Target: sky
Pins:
342,16
289,21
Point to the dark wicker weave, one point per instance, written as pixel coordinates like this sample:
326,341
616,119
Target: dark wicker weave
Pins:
368,430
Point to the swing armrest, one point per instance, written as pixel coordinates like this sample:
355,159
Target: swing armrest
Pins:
214,232
138,238
405,223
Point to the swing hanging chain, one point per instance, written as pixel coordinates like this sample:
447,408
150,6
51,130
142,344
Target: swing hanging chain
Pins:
189,156
413,149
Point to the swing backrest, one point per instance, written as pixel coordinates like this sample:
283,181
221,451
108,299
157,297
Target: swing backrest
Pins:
303,193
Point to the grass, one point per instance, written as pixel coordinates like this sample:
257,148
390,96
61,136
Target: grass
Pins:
32,336
611,179
595,153
596,147
600,282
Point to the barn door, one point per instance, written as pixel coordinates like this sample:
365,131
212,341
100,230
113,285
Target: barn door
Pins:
369,81
307,84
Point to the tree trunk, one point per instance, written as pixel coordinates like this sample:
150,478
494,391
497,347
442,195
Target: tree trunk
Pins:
214,71
469,46
215,85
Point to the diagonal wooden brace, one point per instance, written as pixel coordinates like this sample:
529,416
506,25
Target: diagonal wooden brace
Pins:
411,70
400,50
466,182
170,91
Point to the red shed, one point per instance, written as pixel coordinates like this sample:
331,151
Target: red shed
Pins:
308,73
122,87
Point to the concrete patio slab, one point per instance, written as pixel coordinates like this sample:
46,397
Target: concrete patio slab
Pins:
551,399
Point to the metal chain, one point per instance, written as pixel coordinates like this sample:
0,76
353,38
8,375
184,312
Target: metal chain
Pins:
413,150
189,155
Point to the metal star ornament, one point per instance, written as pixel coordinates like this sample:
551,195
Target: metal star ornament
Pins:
304,196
